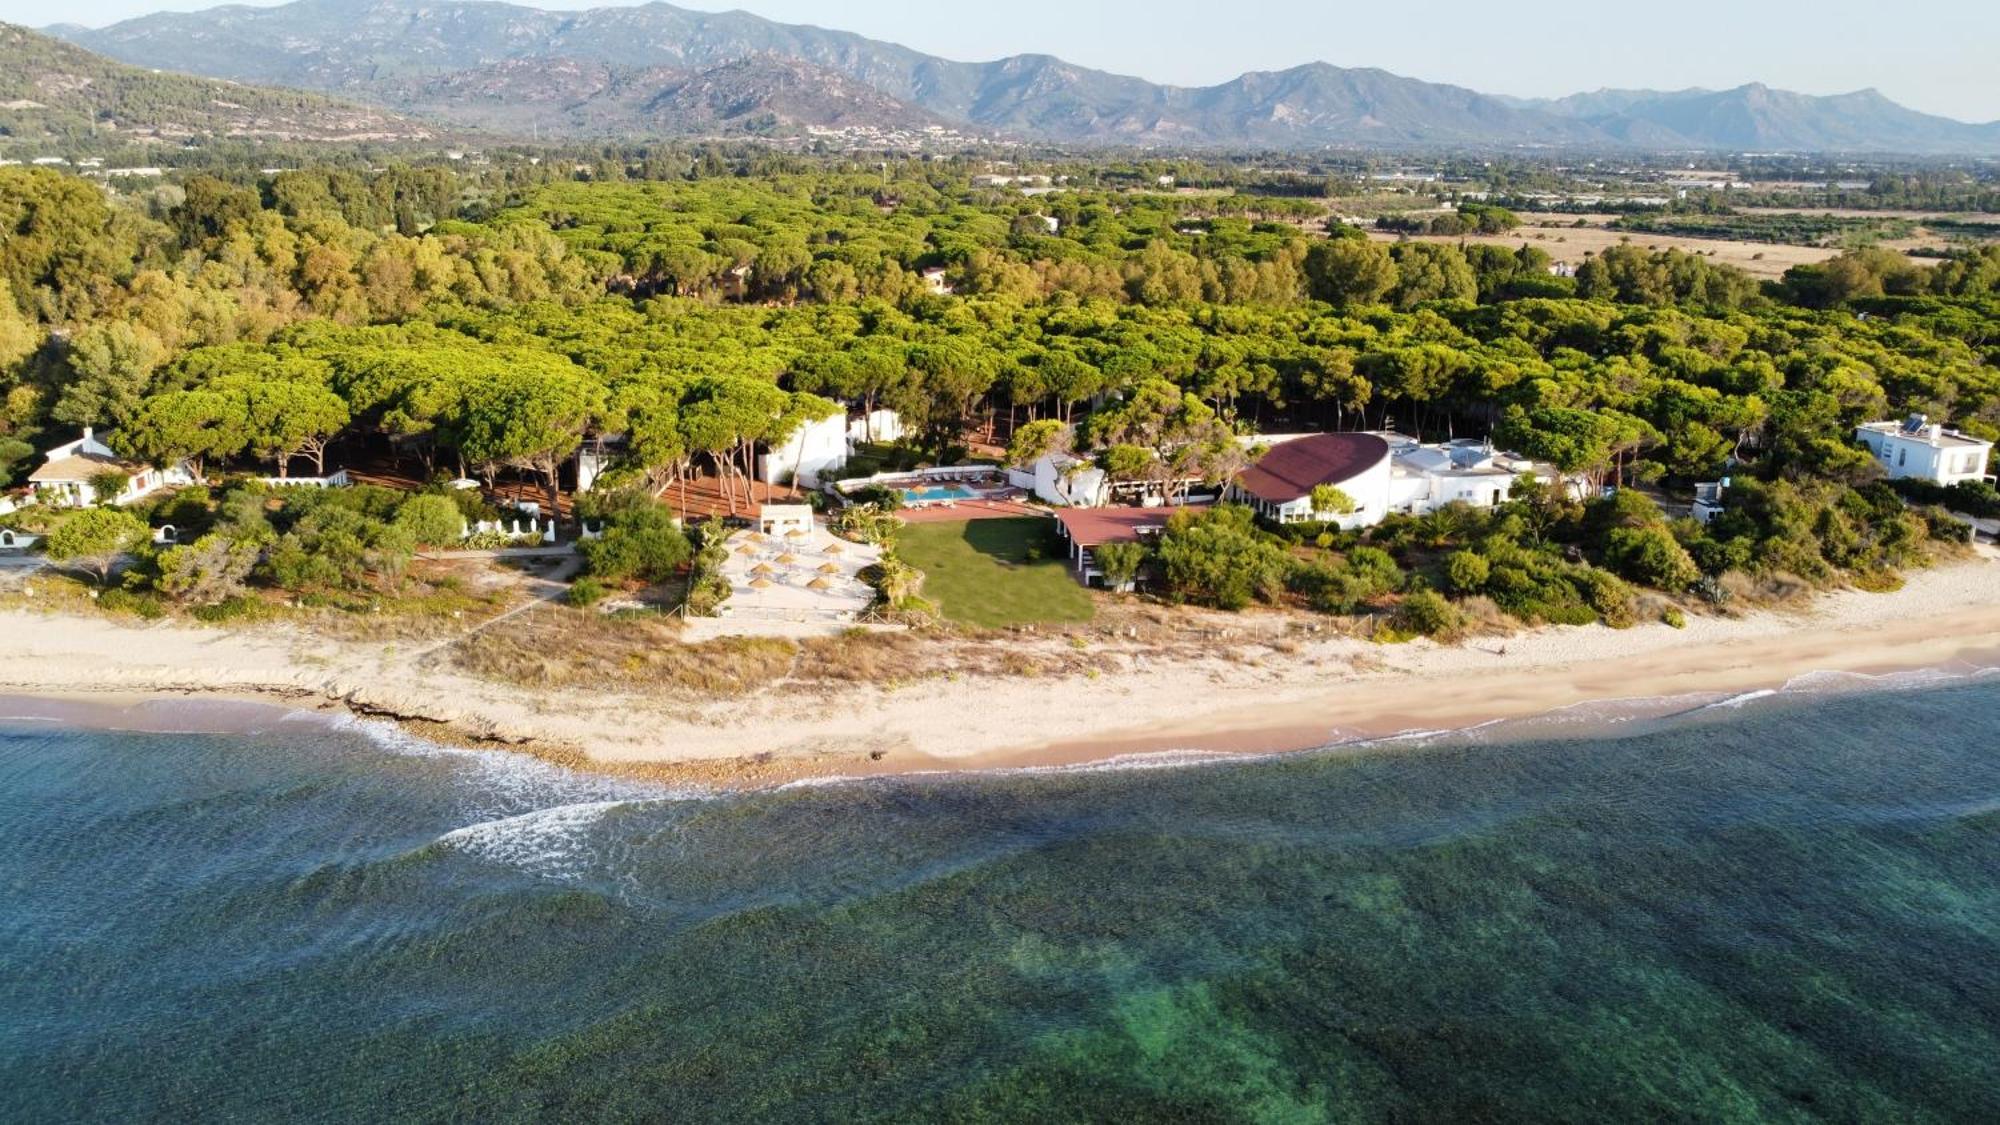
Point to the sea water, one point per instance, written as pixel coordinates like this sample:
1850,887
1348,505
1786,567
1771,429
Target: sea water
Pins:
1782,907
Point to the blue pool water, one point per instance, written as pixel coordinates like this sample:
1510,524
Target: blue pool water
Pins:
935,492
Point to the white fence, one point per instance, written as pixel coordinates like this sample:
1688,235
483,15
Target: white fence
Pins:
513,530
336,479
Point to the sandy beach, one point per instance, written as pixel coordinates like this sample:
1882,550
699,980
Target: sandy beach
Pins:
1243,695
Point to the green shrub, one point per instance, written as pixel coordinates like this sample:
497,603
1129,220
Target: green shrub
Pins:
1673,617
867,523
233,610
144,605
1466,572
644,543
1610,598
108,485
1427,613
208,571
95,539
1120,562
587,591
1652,557
431,521
1219,558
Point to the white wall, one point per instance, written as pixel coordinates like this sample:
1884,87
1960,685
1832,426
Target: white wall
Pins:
1083,486
878,425
1370,490
813,448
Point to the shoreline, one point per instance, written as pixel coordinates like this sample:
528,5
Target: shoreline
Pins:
1250,695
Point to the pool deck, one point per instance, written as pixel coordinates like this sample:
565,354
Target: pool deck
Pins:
964,510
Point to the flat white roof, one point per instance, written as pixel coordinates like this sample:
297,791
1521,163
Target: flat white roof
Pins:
1942,439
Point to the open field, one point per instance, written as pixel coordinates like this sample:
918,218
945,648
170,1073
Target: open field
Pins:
1563,241
995,573
1858,213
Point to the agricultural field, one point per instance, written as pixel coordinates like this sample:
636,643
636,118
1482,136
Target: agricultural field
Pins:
1563,240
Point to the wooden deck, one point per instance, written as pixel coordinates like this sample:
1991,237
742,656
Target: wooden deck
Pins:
703,497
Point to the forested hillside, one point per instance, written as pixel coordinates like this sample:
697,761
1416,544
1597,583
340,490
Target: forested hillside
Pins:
51,91
253,322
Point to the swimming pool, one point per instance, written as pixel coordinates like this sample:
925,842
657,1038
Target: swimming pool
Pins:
932,493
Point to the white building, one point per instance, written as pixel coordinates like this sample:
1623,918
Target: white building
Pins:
876,425
66,472
1068,481
1920,449
1381,473
1065,480
934,280
1280,484
817,446
1424,478
1708,497
785,519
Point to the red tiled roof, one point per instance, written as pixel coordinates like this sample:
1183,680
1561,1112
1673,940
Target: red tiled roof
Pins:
1090,527
1291,470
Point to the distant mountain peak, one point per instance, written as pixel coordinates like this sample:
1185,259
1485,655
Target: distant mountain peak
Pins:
386,49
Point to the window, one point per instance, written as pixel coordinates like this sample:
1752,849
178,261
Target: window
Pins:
1902,457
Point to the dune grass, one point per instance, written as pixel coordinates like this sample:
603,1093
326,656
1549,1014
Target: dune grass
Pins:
996,573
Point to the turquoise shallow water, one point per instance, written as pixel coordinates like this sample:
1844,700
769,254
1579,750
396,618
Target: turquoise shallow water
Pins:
1787,909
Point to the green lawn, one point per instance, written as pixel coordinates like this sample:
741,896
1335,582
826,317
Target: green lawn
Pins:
979,573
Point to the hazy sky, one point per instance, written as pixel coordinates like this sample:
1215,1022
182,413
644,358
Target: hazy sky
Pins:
1940,56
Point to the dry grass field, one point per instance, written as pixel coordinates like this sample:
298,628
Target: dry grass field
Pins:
1558,235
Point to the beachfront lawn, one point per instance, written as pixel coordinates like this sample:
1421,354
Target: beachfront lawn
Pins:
995,573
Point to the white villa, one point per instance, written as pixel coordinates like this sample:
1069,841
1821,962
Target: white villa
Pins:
875,425
817,446
66,471
1920,449
1380,472
806,457
1424,478
1065,480
1279,485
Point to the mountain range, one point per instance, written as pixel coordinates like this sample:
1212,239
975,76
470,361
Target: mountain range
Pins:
50,90
658,70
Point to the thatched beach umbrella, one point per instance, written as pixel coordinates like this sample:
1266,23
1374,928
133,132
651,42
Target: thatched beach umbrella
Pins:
788,558
760,583
797,533
820,584
829,568
835,549
746,550
762,568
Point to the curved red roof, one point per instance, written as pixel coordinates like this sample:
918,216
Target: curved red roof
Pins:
1291,470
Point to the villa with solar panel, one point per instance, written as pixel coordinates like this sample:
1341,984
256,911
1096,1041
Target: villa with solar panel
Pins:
1380,473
